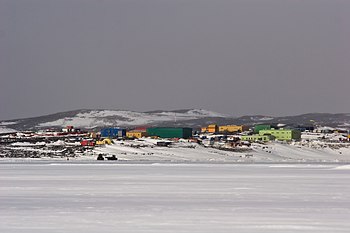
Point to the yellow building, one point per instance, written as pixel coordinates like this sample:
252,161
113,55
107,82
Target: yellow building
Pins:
105,141
232,128
136,134
210,129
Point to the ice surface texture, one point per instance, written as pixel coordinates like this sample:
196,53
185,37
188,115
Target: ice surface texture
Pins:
100,197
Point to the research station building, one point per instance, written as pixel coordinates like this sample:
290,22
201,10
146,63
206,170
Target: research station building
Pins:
169,132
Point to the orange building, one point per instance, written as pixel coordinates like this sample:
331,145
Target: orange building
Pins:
210,129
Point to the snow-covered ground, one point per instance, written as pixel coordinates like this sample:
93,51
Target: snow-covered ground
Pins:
107,197
317,136
192,152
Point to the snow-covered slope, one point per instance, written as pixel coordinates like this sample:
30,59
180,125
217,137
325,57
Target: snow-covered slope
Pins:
6,130
101,118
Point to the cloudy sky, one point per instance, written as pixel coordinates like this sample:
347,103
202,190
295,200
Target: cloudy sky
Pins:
272,57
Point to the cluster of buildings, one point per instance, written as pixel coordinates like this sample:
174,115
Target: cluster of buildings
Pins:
260,132
257,133
70,140
161,132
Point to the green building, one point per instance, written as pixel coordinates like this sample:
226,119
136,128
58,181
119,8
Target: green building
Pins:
282,134
257,128
257,137
163,132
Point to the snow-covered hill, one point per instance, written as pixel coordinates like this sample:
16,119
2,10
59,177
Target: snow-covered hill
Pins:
195,118
90,119
101,118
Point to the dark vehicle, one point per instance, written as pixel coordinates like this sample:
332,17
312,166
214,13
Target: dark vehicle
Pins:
112,158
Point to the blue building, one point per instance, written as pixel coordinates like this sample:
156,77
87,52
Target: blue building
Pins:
113,132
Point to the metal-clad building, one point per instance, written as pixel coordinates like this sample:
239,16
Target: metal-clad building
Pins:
113,132
257,128
164,132
282,134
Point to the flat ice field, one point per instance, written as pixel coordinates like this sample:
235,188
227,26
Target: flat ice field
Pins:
95,197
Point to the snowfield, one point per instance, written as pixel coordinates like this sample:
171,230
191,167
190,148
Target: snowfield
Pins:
71,197
183,151
144,150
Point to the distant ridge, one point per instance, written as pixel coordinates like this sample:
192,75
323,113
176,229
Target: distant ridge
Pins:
195,118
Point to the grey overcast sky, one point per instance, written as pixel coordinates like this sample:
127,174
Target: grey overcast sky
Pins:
272,57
